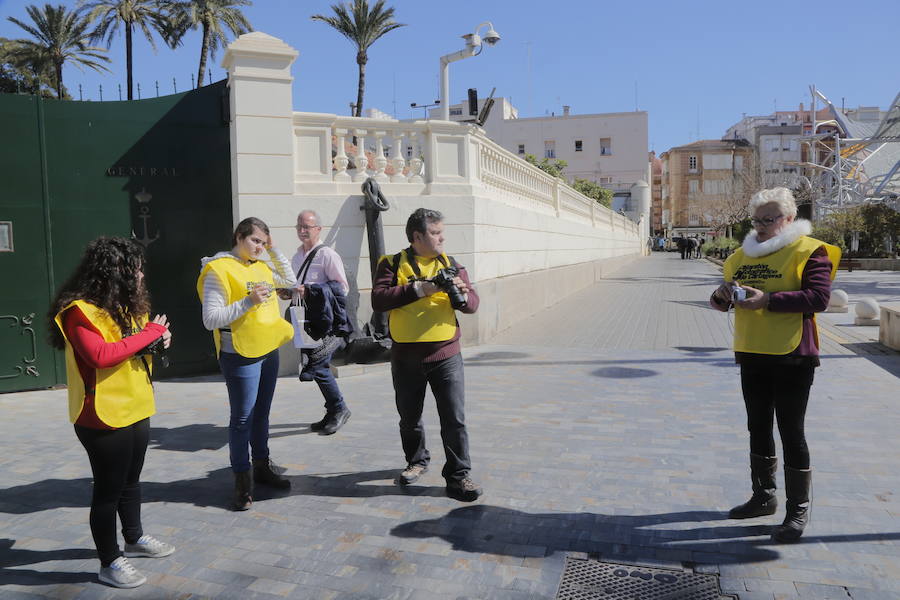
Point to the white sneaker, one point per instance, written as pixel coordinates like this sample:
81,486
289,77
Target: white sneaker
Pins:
121,574
149,546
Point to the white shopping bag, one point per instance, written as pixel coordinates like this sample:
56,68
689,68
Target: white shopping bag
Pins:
298,320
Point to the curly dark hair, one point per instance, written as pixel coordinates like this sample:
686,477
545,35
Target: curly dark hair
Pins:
107,278
419,221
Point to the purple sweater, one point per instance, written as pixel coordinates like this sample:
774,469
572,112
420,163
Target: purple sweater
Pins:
812,297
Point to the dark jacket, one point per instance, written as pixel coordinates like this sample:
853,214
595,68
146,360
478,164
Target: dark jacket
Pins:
326,310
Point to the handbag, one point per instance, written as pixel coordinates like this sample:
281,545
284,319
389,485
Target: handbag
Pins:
295,313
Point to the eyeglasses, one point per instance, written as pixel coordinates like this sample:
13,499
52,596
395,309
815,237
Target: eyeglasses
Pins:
308,227
765,221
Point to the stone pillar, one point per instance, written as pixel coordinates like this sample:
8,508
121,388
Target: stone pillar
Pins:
261,113
640,195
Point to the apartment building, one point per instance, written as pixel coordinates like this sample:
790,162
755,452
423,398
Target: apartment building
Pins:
608,148
705,185
656,165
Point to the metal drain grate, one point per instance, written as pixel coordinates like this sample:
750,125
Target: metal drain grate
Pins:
595,580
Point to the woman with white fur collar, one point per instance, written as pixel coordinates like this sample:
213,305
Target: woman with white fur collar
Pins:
785,278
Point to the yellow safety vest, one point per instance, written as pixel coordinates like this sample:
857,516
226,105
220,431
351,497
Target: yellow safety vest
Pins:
123,394
428,319
262,328
761,331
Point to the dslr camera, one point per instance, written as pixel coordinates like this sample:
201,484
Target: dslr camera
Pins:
444,281
158,350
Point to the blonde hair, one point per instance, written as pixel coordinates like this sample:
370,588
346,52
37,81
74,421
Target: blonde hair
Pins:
781,196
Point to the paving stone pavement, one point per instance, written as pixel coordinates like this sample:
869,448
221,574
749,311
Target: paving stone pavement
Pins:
611,425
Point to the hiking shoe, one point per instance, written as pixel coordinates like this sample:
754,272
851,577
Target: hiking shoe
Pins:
121,574
411,474
336,421
464,490
150,547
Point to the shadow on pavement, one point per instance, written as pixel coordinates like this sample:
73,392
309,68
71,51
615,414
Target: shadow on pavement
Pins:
206,436
14,557
213,490
623,372
504,531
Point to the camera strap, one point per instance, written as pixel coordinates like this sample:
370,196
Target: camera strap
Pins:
147,368
304,268
411,257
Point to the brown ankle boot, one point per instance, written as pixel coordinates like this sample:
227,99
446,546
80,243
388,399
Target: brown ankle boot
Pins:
243,491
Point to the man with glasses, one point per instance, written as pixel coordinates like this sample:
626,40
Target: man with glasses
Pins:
318,265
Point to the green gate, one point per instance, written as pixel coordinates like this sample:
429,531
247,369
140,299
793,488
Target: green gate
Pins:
157,170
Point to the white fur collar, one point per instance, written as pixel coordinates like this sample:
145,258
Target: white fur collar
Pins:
790,234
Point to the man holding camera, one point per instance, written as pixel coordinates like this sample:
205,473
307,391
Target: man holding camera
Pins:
421,287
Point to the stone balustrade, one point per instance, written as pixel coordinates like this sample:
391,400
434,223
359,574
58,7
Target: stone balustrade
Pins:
335,154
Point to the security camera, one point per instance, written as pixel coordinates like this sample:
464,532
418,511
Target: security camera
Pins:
491,37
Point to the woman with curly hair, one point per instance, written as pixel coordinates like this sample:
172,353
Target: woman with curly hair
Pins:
101,319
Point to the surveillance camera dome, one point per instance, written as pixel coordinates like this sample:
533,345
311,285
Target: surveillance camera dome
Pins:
491,37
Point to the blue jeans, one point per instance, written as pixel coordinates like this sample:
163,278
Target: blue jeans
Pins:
251,385
324,378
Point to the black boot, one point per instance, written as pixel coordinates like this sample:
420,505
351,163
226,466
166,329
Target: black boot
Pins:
797,483
264,473
763,501
243,491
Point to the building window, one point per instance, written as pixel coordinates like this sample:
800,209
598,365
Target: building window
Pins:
455,112
738,163
693,187
521,149
692,163
550,149
605,146
604,179
409,152
577,145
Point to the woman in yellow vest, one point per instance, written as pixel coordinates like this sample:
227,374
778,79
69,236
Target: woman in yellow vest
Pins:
241,309
100,318
784,277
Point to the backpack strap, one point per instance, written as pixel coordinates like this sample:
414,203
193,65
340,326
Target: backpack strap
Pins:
395,263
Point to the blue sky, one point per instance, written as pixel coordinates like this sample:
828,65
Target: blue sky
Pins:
694,66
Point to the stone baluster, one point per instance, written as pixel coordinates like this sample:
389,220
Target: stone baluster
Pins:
362,162
397,160
380,162
415,163
341,160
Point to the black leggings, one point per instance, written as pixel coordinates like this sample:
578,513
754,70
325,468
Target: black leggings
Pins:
117,457
784,391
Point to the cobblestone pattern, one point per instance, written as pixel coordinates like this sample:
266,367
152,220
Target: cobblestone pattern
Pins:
631,453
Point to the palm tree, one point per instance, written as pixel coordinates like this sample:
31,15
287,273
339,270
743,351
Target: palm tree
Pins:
59,35
213,17
362,27
147,15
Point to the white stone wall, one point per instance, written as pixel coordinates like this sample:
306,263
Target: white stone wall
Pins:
527,239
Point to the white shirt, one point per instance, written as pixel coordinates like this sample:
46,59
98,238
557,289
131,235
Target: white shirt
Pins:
325,266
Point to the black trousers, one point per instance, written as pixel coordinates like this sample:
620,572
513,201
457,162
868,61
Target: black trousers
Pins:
117,457
782,391
447,382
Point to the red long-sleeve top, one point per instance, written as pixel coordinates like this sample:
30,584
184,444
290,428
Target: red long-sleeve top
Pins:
92,352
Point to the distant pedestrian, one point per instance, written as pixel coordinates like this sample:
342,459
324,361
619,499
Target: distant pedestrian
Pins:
239,306
101,318
776,346
683,246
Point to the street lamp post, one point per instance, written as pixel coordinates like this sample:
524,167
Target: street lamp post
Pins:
473,48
